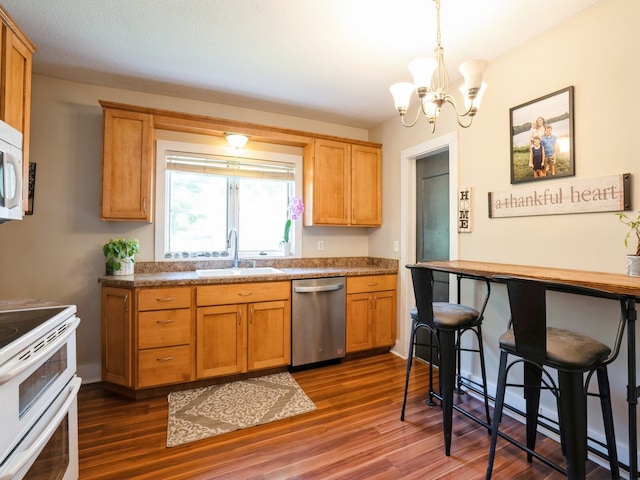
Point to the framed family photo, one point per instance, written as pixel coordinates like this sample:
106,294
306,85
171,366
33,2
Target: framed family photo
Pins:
541,134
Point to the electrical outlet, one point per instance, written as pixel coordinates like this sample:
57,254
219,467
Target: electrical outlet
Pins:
320,245
396,246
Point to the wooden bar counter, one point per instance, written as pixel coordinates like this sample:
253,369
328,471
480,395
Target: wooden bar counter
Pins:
624,287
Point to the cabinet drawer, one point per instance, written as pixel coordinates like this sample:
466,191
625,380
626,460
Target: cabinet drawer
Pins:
164,328
242,293
371,283
164,298
160,366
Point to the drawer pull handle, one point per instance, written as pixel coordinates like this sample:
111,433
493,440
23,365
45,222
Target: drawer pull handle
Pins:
165,299
245,294
164,359
164,322
372,284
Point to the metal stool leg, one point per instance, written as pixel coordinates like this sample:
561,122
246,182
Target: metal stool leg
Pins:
409,363
483,371
573,422
497,411
447,382
607,416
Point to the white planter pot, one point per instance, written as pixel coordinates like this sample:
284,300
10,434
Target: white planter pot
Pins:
633,265
126,267
286,249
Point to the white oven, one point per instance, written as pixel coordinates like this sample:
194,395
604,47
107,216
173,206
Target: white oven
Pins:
38,390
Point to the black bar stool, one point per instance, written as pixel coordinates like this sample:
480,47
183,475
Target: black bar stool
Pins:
571,354
446,322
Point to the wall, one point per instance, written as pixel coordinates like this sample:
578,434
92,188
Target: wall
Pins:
56,254
594,53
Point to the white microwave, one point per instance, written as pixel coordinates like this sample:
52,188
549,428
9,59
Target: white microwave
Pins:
10,173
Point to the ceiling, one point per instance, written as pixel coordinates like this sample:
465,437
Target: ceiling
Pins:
331,60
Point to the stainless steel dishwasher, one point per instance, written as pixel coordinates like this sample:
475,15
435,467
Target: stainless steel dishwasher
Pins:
317,320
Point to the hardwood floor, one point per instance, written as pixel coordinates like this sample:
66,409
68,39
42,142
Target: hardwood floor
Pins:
355,433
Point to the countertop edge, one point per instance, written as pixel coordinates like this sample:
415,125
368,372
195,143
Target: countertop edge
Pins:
191,278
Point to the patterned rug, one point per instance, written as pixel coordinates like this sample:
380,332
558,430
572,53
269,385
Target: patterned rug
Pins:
206,412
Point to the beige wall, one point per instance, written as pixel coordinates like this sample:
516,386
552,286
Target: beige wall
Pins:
595,52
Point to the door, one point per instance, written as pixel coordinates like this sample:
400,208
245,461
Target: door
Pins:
221,346
432,225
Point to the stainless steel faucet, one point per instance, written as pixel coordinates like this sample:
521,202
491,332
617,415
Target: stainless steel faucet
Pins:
235,246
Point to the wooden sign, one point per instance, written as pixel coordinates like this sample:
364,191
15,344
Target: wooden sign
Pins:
605,194
464,210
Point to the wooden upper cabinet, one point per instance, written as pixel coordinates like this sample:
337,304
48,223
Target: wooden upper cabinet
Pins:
342,184
327,183
127,166
366,186
15,86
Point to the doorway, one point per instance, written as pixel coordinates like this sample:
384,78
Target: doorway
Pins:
432,228
408,215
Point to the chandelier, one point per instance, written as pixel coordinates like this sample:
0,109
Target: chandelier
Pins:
431,84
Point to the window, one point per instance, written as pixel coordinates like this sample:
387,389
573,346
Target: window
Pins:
202,193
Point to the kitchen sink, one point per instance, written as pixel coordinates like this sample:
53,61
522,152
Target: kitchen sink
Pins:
232,272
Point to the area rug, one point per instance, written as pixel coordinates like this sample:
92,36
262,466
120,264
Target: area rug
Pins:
206,412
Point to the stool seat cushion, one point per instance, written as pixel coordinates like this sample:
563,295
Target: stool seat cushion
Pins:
565,349
450,315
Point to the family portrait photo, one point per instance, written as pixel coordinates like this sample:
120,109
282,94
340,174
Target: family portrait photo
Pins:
542,138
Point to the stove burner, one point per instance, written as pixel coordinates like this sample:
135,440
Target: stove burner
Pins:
7,332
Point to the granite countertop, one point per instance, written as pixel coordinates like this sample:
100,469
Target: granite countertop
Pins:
151,275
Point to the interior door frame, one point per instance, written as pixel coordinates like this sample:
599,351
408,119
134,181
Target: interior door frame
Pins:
408,159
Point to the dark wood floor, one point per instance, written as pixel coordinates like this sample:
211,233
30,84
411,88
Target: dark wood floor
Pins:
355,433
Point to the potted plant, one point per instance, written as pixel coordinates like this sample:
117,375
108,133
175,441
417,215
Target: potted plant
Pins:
633,261
294,212
119,253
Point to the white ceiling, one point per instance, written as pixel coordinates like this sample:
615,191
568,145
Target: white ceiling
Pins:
331,60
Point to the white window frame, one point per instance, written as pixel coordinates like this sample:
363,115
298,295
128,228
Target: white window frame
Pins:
161,200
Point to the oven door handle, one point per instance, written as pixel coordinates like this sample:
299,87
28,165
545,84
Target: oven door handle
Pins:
14,366
17,462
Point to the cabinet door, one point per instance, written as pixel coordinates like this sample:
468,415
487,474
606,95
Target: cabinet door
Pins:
384,319
358,328
221,344
117,336
269,335
328,184
366,186
127,166
16,102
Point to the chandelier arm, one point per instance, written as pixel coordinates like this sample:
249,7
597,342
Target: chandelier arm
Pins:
415,120
451,101
469,113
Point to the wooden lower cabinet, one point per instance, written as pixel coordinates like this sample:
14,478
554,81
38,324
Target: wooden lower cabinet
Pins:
154,337
117,334
371,312
147,336
241,337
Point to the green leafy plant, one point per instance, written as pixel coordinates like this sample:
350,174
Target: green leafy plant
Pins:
634,229
119,249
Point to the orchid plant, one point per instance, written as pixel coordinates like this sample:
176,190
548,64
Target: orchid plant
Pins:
294,212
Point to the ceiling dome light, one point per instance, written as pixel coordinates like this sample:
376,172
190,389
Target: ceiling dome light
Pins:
236,140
